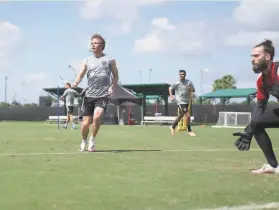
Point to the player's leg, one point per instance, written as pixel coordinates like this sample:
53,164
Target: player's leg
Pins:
100,107
270,119
88,109
188,116
68,119
71,111
182,110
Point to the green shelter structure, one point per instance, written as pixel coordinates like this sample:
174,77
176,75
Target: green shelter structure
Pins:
144,91
135,93
226,94
120,95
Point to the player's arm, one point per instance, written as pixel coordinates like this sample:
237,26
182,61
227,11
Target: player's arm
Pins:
80,74
64,95
114,71
192,87
262,99
76,94
244,141
171,89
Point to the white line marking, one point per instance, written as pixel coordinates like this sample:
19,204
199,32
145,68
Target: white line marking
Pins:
210,150
32,138
49,138
249,207
119,151
43,153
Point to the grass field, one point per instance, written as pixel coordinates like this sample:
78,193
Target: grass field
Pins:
135,168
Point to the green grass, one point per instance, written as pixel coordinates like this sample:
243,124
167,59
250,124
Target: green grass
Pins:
164,175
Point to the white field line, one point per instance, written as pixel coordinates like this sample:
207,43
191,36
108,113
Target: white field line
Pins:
119,151
32,138
249,207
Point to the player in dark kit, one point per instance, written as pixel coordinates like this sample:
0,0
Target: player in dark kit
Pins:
267,84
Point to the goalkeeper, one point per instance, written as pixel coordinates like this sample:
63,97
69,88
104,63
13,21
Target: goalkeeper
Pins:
183,94
267,84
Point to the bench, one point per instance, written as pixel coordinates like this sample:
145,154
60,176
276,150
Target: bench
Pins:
160,119
62,119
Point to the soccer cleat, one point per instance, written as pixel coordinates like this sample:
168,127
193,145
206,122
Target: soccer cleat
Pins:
91,146
266,169
191,133
74,127
82,146
91,149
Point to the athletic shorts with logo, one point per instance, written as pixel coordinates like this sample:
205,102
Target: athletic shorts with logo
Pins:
70,109
183,108
90,104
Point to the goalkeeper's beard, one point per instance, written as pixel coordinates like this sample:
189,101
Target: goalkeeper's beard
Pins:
260,67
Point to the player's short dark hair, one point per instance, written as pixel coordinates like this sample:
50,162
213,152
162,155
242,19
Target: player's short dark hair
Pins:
268,47
98,36
182,71
69,84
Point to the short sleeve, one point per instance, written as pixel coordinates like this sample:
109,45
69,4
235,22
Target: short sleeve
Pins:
173,86
191,85
85,61
65,93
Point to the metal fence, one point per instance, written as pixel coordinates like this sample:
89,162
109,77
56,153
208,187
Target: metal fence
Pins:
206,114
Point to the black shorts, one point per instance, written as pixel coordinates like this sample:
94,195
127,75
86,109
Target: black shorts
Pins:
183,108
70,109
90,104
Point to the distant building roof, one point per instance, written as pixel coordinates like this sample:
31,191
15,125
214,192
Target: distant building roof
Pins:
231,93
153,89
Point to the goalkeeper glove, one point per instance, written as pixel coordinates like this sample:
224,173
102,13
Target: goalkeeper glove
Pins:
244,141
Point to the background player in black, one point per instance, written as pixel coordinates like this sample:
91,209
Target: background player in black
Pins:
267,84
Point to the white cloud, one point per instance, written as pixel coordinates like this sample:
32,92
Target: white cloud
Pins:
123,10
162,23
183,38
10,38
257,20
258,14
150,43
243,38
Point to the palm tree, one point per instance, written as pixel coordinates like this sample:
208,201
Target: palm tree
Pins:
226,82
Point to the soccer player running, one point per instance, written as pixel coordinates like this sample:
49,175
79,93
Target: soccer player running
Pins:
99,67
267,84
183,95
69,94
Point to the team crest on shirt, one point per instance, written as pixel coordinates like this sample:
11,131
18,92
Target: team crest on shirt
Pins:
104,63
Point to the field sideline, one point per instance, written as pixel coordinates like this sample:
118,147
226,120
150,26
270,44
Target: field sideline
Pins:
135,167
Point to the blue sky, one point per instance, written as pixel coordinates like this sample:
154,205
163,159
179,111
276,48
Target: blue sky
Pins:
40,39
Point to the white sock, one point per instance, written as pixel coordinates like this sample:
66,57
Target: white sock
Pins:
91,140
84,141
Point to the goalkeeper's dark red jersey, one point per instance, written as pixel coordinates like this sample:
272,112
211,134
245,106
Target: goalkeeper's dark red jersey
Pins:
268,84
